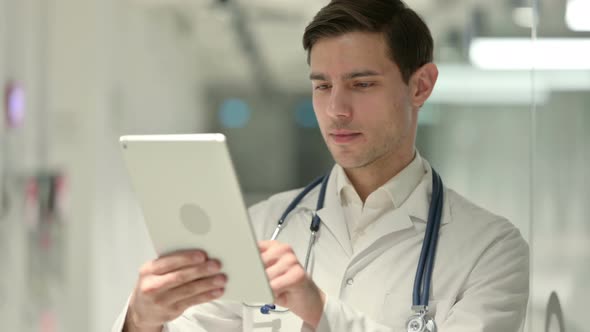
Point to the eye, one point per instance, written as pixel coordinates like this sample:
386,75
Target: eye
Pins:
322,86
364,85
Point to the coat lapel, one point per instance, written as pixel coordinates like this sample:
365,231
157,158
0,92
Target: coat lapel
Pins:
333,221
394,220
331,214
418,203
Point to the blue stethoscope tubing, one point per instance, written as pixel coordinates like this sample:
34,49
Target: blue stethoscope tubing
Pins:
314,226
423,278
425,267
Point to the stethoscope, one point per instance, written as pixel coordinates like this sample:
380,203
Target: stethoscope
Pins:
420,321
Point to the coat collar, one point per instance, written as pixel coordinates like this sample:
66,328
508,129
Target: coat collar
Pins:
414,208
418,203
394,192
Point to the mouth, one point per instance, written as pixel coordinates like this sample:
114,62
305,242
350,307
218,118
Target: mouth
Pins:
344,136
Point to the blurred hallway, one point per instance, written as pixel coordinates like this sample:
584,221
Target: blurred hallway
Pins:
508,126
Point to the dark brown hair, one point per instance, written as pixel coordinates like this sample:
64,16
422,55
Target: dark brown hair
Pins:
407,36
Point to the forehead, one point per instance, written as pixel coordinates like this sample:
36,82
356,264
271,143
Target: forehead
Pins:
349,51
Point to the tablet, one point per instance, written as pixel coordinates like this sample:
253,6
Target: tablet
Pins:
190,197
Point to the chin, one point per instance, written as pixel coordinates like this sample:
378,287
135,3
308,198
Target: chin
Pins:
349,163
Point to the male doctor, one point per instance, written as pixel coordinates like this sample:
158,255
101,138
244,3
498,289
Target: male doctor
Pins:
371,71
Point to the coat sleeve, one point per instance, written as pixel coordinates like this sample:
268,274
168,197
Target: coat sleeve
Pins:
213,316
494,297
217,315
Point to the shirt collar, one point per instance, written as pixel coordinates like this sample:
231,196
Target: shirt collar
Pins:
416,202
396,190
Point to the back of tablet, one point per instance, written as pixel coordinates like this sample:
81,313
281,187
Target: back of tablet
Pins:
191,199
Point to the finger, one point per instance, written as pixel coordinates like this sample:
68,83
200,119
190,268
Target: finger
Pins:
162,283
184,304
194,289
174,261
265,244
281,266
292,277
274,253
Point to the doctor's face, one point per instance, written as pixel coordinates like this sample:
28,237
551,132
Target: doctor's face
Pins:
362,104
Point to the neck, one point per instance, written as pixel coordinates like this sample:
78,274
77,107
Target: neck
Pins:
368,178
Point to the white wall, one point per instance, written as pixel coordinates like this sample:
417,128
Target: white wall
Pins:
93,70
21,60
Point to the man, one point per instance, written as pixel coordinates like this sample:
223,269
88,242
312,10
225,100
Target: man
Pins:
371,71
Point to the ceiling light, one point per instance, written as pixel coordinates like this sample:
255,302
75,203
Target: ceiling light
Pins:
577,15
524,53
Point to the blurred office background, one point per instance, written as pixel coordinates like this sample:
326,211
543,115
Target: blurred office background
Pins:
508,126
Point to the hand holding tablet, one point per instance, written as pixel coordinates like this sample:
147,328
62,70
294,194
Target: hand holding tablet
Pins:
194,211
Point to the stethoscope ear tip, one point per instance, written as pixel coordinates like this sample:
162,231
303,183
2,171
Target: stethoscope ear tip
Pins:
265,309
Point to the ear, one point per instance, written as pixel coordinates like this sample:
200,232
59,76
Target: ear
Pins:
422,83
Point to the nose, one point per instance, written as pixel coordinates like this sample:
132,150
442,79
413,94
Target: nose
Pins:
339,104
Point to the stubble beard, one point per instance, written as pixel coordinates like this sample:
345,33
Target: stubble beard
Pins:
350,159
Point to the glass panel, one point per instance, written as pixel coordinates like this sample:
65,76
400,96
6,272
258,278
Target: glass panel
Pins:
476,127
560,227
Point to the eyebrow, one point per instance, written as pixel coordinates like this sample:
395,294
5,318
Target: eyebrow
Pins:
348,76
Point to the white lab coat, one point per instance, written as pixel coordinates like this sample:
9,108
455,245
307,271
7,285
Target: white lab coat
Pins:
480,279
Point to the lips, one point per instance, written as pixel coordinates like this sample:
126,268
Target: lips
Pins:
344,136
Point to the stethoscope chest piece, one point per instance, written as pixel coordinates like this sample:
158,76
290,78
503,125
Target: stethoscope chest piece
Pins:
420,322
